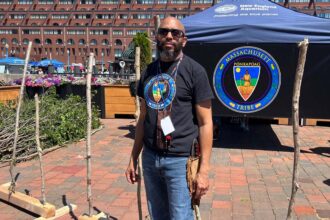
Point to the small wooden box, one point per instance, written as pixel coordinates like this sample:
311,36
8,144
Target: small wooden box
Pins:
9,93
118,100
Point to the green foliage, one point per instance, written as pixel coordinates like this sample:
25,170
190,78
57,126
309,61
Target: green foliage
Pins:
61,121
141,40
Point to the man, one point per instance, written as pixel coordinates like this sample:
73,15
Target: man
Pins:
175,111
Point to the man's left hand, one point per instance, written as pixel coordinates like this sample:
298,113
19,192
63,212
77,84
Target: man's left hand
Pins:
201,185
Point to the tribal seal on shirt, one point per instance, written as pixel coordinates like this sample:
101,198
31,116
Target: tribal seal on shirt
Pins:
159,92
247,79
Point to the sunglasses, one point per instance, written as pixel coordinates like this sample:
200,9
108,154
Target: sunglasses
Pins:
174,32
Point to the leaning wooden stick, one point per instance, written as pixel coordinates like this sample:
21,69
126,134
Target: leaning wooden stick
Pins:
137,79
39,150
156,24
137,115
89,129
303,46
18,109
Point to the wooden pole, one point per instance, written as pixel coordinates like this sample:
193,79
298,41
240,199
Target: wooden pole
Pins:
156,24
137,115
303,46
89,129
43,201
18,109
137,79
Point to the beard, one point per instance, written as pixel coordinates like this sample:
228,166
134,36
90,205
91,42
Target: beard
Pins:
169,55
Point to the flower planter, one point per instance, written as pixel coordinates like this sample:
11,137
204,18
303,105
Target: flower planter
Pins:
9,93
63,91
31,91
118,101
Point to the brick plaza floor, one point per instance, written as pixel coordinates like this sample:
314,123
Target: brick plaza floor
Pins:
250,177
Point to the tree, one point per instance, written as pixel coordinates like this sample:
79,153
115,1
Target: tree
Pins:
141,40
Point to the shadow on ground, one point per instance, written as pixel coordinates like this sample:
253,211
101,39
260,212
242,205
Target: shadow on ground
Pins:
131,129
259,136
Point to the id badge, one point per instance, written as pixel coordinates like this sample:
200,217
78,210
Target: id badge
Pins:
167,125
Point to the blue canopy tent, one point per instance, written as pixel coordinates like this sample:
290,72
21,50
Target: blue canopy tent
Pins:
46,63
255,21
259,37
12,61
33,63
11,65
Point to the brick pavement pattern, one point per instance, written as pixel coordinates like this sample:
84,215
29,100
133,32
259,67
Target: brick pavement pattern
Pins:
250,176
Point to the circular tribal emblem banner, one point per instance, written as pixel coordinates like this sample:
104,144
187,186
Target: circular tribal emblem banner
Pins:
159,92
247,79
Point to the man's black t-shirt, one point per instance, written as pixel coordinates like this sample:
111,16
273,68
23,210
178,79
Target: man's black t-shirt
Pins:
164,86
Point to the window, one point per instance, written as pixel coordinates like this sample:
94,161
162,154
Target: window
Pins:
31,31
299,1
71,42
99,32
48,41
53,32
25,2
59,41
324,15
66,2
26,41
105,42
134,32
118,42
93,42
76,32
83,16
14,41
161,16
105,16
46,2
87,2
38,16
60,16
117,32
141,16
37,41
3,41
203,1
17,16
6,32
145,2
6,2
180,1
118,52
178,16
82,42
123,16
109,2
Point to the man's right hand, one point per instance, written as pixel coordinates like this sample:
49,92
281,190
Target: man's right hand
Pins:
131,174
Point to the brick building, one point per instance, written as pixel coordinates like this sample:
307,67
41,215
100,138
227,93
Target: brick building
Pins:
68,30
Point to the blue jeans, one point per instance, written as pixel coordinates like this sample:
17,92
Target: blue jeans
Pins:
166,186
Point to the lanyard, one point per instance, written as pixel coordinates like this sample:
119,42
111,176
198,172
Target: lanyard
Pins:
174,71
173,75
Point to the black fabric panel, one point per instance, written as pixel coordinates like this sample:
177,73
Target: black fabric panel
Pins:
314,101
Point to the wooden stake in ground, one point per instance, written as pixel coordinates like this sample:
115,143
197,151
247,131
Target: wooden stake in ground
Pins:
89,130
156,24
43,201
295,123
137,115
18,109
137,79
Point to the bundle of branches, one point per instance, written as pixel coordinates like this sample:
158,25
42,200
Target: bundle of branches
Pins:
4,83
61,121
